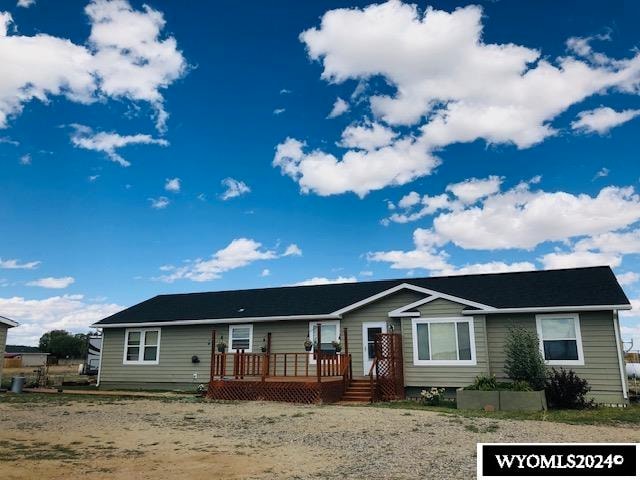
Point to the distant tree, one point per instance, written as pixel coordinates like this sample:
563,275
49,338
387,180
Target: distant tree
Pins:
62,344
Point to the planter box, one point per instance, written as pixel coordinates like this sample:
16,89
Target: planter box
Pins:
500,400
529,401
477,399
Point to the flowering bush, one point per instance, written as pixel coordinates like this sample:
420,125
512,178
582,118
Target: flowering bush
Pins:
433,396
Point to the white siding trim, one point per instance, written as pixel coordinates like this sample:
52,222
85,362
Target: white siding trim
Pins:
623,376
415,288
8,322
577,308
449,363
578,339
100,361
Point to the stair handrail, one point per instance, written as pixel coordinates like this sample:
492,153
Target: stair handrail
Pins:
374,366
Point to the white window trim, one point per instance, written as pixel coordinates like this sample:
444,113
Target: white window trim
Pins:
452,363
578,339
231,327
141,351
312,326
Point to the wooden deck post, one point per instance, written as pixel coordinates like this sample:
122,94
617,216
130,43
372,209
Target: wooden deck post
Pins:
319,353
212,373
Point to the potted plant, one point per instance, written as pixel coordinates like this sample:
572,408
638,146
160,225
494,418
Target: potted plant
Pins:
308,344
222,345
337,345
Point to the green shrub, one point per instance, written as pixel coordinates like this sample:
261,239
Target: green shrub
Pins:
524,362
565,389
484,383
521,386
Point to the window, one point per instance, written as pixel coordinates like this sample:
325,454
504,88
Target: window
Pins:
560,339
443,341
329,332
142,346
240,337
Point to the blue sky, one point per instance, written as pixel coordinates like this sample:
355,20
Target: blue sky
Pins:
162,149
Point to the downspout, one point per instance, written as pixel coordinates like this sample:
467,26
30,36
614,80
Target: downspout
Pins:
100,362
623,377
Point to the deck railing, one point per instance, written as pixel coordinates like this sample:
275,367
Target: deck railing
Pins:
241,364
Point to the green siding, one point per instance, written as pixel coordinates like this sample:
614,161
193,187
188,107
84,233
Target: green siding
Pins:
440,375
373,312
3,343
601,364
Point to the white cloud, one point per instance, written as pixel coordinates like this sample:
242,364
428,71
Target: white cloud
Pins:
602,173
159,203
52,282
292,251
25,159
601,120
324,281
628,278
125,57
359,171
93,178
9,141
239,253
366,273
576,259
340,107
426,256
368,136
14,264
284,91
109,142
68,312
279,111
448,85
473,189
172,185
612,242
25,3
234,188
265,273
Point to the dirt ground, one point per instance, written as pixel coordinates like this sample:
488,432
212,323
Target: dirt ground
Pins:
61,437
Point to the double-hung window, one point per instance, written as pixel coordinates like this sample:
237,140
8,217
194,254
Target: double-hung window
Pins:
560,339
329,333
443,341
240,337
141,346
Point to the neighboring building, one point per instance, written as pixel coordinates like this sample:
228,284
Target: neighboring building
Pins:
24,356
5,324
453,328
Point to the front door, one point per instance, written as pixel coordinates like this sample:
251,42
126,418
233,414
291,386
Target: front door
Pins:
369,331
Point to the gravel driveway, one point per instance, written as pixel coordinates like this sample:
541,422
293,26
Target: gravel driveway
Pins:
106,438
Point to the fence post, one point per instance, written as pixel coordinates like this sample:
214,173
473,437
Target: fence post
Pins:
212,372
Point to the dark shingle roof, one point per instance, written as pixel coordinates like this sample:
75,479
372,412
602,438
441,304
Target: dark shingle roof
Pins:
542,288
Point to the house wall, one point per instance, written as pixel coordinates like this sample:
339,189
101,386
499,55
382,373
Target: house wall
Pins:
33,359
3,343
179,343
601,364
444,376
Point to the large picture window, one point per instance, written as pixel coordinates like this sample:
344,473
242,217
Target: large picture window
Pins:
142,346
443,341
560,339
240,337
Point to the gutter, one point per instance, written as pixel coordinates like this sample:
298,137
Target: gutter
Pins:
577,308
214,321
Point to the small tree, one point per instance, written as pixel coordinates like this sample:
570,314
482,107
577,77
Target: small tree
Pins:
524,361
565,389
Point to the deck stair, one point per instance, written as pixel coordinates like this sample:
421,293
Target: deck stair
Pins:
359,391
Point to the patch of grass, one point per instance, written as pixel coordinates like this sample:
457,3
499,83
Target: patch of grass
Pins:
595,416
